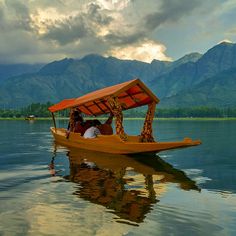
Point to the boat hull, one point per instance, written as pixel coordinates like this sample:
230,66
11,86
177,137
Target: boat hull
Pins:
113,143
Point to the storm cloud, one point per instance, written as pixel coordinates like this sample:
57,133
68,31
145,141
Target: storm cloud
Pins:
162,13
75,28
67,31
45,30
170,11
14,15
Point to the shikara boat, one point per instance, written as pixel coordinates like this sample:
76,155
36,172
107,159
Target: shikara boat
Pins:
30,117
114,100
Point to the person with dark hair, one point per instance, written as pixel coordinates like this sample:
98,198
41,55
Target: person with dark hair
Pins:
77,116
93,131
79,123
106,128
75,122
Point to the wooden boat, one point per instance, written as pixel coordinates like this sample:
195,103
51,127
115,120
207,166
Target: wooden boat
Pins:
30,117
114,100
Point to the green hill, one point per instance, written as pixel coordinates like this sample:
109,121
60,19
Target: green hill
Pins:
217,91
193,80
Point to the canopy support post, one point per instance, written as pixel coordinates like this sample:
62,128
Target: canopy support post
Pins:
146,135
71,125
54,122
117,112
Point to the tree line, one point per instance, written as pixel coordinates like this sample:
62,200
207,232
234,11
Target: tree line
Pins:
200,112
41,110
36,109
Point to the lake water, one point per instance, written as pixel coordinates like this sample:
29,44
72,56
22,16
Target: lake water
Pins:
46,189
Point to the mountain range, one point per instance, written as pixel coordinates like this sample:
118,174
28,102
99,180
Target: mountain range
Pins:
7,71
193,80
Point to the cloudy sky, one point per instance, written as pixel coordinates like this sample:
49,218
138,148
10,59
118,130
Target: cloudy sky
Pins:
34,31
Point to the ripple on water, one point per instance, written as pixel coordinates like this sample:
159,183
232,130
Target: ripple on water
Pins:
183,221
20,176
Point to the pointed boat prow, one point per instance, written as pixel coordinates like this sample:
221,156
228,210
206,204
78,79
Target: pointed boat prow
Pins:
191,142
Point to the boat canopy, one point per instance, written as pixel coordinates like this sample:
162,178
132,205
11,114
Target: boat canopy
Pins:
130,94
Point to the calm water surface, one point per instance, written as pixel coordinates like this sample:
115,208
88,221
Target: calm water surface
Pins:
46,189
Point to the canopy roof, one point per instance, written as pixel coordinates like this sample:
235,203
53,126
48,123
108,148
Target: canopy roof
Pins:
131,94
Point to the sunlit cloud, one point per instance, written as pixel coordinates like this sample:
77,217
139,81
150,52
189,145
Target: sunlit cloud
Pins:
41,29
43,18
114,4
225,41
146,51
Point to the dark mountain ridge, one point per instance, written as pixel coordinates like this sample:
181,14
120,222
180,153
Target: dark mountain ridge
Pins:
173,82
187,75
217,91
10,70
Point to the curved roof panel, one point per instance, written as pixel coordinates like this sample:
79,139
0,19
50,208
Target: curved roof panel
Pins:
131,94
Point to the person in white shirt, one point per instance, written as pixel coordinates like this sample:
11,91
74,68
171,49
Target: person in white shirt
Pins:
93,131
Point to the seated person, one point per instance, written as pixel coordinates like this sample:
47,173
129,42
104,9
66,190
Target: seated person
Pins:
80,125
75,119
80,128
106,128
93,131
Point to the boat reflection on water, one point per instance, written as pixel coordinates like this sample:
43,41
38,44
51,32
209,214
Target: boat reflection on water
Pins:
126,185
